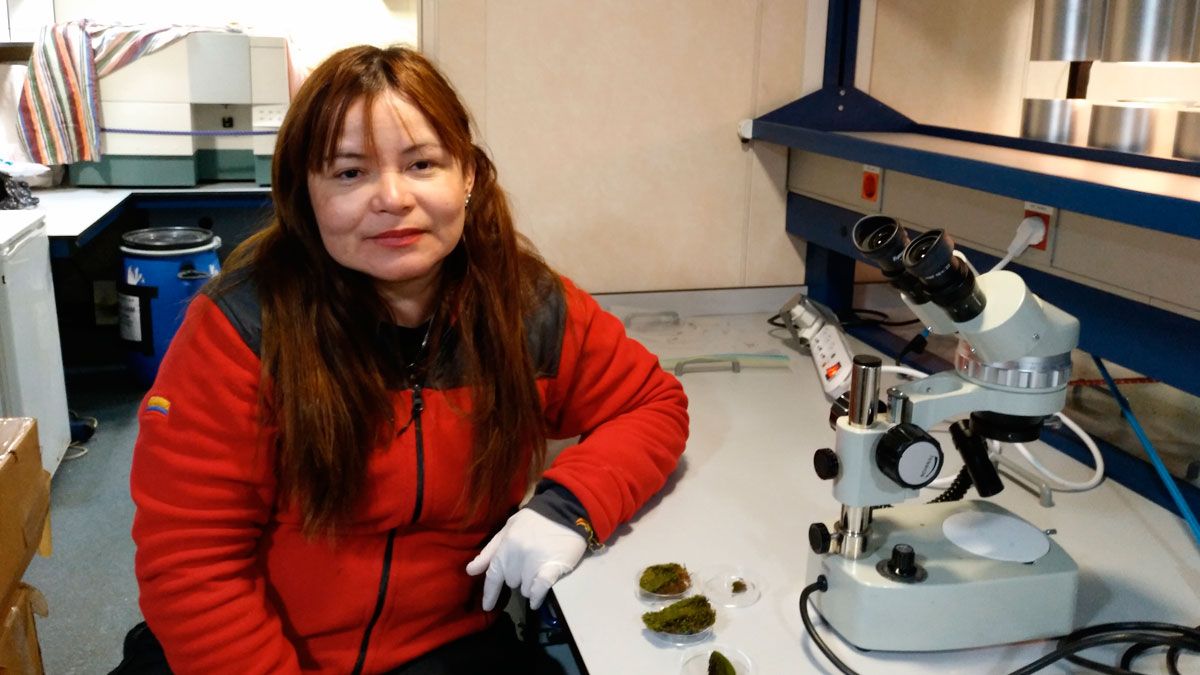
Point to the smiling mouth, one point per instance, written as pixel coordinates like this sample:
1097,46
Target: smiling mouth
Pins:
397,237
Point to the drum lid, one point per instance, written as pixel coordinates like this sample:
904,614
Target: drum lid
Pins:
167,238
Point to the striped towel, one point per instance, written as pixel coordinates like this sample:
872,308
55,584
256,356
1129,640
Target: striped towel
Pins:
58,113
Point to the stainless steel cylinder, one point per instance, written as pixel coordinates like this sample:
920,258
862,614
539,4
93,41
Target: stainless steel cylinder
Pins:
1149,30
1128,127
1067,30
854,526
1187,134
1058,120
864,390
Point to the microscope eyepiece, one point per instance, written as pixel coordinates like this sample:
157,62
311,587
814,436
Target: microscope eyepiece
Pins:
948,281
883,241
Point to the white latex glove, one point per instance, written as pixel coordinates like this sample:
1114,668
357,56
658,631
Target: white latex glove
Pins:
531,552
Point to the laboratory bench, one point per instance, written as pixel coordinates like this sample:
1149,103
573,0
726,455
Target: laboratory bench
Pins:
745,493
77,215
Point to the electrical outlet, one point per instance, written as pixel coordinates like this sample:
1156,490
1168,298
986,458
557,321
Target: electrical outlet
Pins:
268,116
1047,214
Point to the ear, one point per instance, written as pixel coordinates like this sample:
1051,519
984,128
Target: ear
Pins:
469,177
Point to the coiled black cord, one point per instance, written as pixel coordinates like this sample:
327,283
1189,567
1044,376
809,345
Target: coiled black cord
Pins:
957,490
1144,635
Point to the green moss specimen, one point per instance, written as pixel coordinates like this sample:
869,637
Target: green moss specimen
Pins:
665,579
738,586
719,665
685,617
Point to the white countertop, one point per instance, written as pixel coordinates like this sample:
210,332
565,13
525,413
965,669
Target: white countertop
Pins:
745,494
70,211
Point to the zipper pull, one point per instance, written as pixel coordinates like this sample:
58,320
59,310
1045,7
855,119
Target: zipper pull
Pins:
418,401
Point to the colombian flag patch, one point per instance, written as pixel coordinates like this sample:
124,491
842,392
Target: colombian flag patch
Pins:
159,405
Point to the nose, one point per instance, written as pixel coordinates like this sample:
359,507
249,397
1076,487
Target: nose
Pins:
393,192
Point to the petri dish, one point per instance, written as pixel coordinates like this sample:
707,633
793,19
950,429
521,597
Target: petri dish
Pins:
695,662
732,586
673,640
659,598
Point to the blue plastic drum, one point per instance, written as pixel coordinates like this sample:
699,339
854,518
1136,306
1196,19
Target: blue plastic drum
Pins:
163,268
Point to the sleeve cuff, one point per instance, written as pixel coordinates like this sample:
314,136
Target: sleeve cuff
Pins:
561,506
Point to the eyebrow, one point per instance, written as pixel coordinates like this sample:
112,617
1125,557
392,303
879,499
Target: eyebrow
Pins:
410,150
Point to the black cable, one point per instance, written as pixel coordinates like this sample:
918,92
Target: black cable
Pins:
1070,645
915,346
819,585
882,318
1173,660
1145,635
957,490
777,321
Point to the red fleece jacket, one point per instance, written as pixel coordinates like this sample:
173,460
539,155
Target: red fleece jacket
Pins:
228,582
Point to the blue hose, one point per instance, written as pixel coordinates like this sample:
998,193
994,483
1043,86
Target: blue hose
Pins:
1159,467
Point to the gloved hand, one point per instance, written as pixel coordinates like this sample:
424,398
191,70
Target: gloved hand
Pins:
530,551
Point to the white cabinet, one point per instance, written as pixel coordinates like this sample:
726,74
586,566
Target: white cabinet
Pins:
31,369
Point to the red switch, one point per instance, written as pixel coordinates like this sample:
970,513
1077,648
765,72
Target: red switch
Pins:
870,183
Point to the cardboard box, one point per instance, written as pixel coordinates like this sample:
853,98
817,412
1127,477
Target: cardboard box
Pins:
24,501
20,651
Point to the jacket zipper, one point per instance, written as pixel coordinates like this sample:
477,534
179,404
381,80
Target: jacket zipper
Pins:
417,406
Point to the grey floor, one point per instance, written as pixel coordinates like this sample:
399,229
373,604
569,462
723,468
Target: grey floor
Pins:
88,581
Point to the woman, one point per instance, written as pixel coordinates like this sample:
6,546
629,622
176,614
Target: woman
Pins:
350,411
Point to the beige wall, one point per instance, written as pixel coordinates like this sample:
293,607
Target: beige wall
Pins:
614,126
953,63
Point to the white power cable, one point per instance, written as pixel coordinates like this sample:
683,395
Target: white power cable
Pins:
1030,232
904,370
1063,485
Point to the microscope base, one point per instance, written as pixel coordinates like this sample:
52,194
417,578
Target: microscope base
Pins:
966,600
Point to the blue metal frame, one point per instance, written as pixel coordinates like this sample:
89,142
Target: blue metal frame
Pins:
808,124
1156,212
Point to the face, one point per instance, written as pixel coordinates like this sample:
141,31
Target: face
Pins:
396,212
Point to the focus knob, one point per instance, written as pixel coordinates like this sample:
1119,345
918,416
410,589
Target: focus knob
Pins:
825,463
908,456
819,538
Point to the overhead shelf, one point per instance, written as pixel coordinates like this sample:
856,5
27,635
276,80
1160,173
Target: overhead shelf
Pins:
1158,200
15,52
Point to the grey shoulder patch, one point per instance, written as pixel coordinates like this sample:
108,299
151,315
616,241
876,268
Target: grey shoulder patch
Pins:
545,327
239,303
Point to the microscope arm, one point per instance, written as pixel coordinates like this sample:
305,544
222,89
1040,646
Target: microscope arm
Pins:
947,395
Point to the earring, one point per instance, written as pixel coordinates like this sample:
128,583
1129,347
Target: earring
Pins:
468,203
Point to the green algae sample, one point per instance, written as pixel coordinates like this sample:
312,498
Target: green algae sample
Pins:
738,586
685,617
665,579
719,665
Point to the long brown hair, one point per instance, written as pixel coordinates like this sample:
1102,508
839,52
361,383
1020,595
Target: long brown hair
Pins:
324,389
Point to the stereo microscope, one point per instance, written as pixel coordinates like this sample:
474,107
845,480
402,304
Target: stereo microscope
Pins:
945,574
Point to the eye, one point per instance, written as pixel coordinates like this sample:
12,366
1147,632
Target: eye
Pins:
423,165
348,174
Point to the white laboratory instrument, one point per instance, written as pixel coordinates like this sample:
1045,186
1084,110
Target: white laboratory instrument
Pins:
818,327
954,574
205,108
31,368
